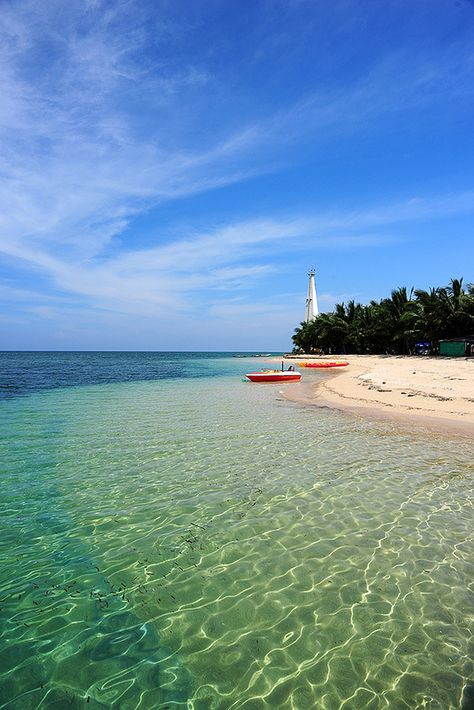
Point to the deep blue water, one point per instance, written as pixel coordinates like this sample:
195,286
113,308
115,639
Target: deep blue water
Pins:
26,372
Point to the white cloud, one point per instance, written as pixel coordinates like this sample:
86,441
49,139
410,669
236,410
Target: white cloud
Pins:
78,166
227,258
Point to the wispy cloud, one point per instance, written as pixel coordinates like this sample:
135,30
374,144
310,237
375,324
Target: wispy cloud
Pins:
81,159
229,258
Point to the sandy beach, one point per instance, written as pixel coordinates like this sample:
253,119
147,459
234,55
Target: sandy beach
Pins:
433,391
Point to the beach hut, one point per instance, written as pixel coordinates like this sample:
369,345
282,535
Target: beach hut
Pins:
457,347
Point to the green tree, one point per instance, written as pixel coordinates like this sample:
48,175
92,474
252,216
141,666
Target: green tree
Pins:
393,324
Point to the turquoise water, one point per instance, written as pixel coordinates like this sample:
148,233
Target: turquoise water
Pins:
180,541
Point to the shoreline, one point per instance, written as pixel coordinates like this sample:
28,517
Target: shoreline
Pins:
437,393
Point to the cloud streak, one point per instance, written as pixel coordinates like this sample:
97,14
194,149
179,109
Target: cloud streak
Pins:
82,159
229,258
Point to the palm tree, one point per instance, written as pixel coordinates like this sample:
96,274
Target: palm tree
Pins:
398,310
460,317
394,323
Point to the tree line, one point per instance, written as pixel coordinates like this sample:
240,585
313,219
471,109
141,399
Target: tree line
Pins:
392,325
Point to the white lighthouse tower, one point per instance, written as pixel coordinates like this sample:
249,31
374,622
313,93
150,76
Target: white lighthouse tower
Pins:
312,311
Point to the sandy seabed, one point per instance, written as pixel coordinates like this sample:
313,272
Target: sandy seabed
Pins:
438,392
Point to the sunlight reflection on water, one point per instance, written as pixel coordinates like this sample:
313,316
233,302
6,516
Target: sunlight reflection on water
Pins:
211,546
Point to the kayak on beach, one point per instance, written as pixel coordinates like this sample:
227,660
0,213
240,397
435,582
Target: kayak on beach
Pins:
338,363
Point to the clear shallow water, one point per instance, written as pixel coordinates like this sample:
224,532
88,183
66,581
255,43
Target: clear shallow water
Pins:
201,543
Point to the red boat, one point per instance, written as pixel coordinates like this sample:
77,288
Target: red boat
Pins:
274,376
339,363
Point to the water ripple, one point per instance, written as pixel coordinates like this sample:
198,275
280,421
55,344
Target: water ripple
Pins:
216,548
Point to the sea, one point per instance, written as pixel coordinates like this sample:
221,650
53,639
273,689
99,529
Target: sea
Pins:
174,536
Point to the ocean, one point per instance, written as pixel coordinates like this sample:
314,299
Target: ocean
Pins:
175,537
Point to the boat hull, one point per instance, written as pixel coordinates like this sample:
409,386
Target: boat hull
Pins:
273,376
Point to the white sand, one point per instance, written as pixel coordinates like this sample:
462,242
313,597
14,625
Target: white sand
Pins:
435,390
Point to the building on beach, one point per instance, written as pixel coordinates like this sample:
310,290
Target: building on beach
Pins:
457,347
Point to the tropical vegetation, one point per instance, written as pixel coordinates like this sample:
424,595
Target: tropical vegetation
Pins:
392,325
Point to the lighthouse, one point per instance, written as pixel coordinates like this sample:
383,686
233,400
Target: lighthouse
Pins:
312,311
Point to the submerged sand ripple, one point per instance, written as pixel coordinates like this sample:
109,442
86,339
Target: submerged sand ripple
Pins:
215,548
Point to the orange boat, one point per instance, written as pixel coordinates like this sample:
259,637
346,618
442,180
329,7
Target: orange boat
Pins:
339,363
274,376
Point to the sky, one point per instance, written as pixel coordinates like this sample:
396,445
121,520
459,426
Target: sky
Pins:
170,170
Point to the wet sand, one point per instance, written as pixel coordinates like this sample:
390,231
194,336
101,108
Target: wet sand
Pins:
438,392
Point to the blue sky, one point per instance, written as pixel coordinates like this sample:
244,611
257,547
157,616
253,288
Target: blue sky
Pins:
170,170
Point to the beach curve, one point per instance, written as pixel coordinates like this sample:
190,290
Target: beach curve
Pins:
435,392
